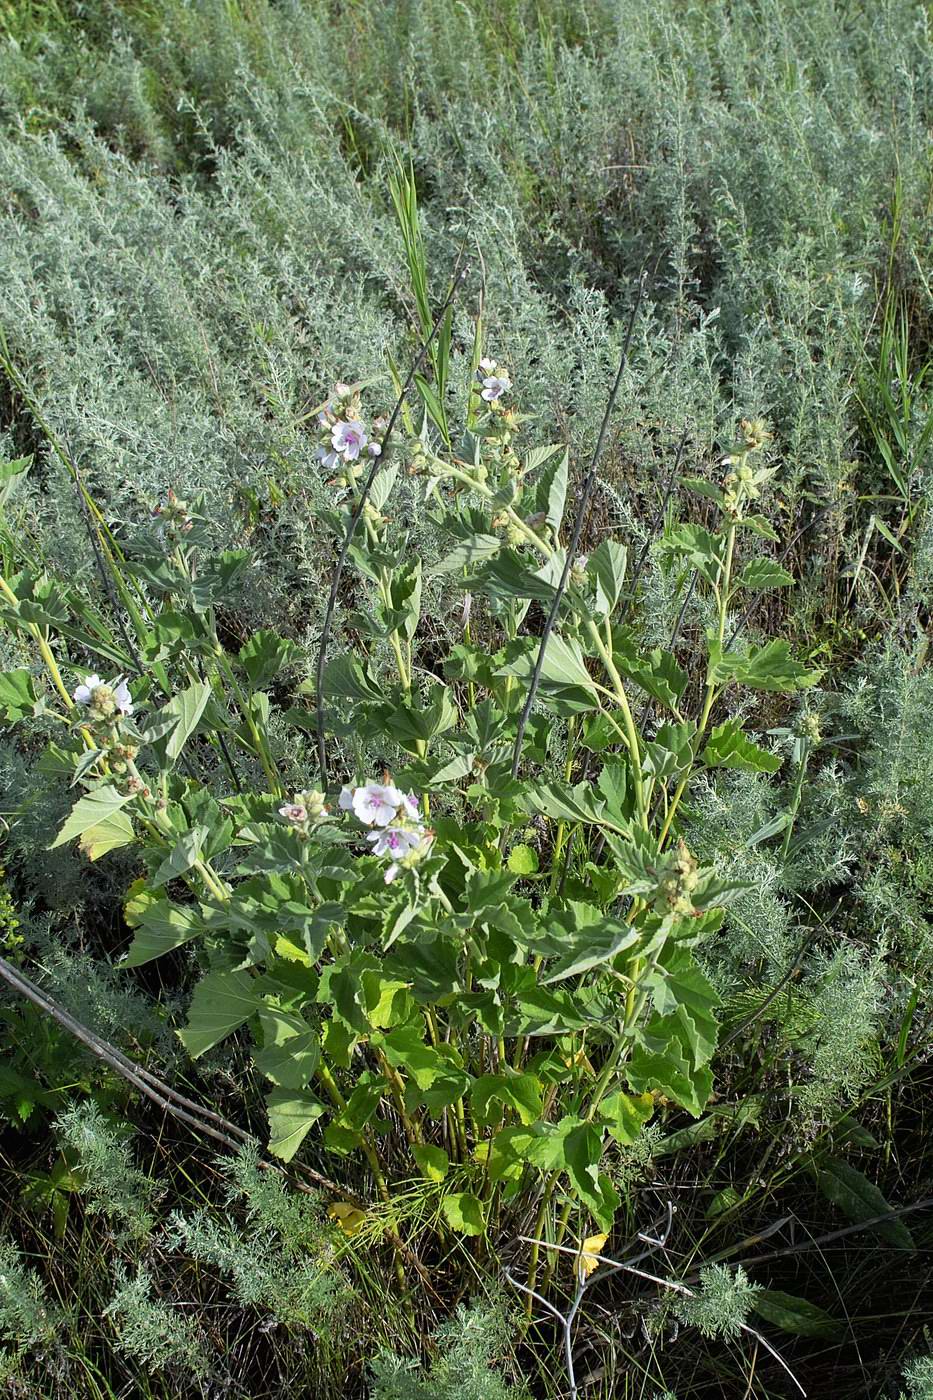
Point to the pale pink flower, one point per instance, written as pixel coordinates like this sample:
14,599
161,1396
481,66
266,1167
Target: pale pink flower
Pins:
494,386
348,439
294,812
487,366
395,841
376,804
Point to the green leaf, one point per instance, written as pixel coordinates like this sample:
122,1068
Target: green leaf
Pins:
433,1162
671,749
701,549
17,694
606,566
761,574
186,708
728,747
520,1092
522,860
181,858
222,1001
613,783
508,577
700,487
383,485
464,1213
472,547
16,467
290,1049
656,1064
116,831
585,945
625,1116
792,1314
566,803
264,655
291,1116
437,1076
550,494
759,525
657,671
859,1199
582,1150
93,810
433,405
405,594
412,725
684,999
345,678
160,926
769,667
563,664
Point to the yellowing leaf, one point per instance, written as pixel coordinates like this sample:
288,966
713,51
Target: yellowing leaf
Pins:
96,841
587,1259
290,951
349,1218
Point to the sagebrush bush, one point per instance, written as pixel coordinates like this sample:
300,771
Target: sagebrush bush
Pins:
467,1350
154,1333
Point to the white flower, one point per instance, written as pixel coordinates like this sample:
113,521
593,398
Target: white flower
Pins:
375,449
121,693
294,812
328,458
345,800
83,692
395,841
494,386
487,366
410,804
349,439
376,804
391,872
104,696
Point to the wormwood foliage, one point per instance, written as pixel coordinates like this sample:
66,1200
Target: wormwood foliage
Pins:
394,948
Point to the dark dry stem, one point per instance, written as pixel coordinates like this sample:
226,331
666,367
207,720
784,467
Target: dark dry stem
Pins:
180,1107
458,277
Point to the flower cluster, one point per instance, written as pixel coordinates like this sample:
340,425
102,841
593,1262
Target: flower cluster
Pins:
305,810
394,817
174,516
104,700
743,482
343,435
680,876
492,385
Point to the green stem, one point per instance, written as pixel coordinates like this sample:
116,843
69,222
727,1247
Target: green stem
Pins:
722,589
631,733
261,748
538,1231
